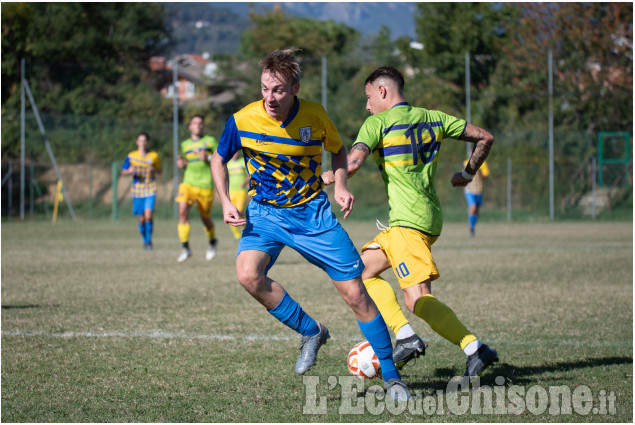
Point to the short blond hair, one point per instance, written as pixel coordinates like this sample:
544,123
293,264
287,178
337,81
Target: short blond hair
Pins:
283,63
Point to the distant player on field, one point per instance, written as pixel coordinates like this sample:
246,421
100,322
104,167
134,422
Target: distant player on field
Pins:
282,138
143,166
238,181
197,187
474,195
405,142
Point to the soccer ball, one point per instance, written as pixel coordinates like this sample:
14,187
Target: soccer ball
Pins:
363,362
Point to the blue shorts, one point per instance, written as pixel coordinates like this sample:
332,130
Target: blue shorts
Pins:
311,229
473,199
139,205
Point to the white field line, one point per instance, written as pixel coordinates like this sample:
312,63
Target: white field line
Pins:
171,335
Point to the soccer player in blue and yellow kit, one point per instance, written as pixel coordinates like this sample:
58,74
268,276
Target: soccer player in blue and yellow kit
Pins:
474,195
197,186
282,138
143,166
405,142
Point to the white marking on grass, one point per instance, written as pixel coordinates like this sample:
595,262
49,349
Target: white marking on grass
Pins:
173,335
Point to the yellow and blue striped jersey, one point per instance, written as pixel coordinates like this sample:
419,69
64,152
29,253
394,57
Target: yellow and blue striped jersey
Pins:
284,160
405,142
143,180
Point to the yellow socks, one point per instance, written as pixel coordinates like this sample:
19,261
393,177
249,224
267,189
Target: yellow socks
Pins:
381,292
184,232
236,231
210,233
443,321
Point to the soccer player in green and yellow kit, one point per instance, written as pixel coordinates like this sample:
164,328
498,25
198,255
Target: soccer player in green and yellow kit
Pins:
405,142
197,186
143,166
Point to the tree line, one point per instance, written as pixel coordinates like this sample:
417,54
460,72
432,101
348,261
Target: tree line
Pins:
90,61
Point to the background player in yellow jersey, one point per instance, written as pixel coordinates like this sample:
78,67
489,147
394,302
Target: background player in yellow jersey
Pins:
143,166
197,187
474,195
282,138
405,143
238,181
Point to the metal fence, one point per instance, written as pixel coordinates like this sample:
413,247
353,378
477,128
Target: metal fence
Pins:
518,188
515,190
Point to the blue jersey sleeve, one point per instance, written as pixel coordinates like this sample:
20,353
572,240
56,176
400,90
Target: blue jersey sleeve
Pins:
229,142
126,163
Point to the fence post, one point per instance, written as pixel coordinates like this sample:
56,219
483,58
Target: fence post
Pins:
115,175
10,188
22,138
551,166
509,189
175,132
90,189
31,191
593,171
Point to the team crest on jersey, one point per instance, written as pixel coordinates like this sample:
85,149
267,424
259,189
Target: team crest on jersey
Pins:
305,134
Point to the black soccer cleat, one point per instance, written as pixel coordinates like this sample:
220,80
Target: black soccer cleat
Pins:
479,361
407,349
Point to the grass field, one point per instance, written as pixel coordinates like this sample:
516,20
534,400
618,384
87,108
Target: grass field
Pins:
94,329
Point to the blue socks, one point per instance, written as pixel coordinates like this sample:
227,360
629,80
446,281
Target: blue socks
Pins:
377,334
145,229
142,230
148,234
472,219
289,312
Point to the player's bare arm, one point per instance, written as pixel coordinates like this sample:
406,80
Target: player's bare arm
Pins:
231,215
342,196
357,156
483,141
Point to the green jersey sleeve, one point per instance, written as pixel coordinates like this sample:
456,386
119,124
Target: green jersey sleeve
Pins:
370,132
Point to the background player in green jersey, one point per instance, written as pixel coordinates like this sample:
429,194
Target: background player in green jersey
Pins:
197,187
143,166
405,142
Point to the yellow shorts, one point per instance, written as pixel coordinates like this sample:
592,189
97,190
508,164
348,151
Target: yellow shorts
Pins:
202,197
238,198
409,253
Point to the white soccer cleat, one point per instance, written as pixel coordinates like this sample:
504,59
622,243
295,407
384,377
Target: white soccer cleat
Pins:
211,250
185,254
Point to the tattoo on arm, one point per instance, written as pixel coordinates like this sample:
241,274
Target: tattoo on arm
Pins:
361,147
356,157
355,162
482,144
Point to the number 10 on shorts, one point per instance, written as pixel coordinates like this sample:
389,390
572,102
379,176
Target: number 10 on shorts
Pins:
402,271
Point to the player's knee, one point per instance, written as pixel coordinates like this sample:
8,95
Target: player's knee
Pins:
410,304
249,278
355,296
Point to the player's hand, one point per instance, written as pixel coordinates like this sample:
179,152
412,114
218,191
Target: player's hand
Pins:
459,180
181,163
231,215
202,154
345,199
328,177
